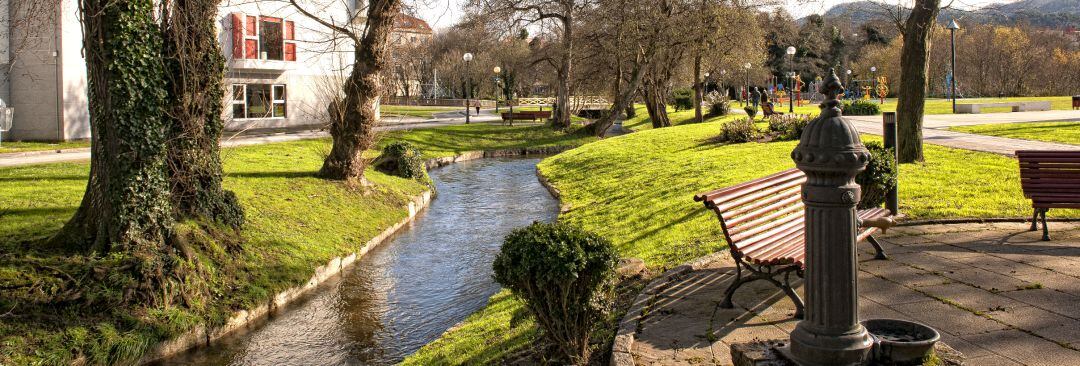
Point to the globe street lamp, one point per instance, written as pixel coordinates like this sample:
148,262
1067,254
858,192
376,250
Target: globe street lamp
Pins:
468,86
747,67
873,71
791,81
497,70
952,72
723,72
847,81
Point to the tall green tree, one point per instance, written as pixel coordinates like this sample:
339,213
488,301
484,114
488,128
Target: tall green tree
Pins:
914,57
126,205
194,72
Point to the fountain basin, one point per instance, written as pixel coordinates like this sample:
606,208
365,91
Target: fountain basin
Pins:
900,342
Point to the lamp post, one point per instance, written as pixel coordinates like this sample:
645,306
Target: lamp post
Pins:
747,67
873,75
722,73
468,86
791,80
952,69
847,80
497,70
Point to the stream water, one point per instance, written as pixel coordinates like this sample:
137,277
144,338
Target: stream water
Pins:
406,292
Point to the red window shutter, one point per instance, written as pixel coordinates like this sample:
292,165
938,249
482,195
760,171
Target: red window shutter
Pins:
289,30
290,51
237,36
270,19
251,49
251,26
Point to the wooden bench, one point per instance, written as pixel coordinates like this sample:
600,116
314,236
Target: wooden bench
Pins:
1016,106
1050,179
767,109
530,115
763,222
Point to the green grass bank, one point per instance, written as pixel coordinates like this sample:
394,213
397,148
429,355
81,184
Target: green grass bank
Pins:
1064,132
295,222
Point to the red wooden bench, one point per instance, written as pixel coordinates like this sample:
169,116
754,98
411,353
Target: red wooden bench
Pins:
763,222
1051,179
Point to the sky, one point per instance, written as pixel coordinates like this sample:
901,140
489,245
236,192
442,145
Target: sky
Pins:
442,14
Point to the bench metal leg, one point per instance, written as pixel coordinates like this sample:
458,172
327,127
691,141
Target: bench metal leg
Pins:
739,281
800,307
877,247
1035,220
1046,231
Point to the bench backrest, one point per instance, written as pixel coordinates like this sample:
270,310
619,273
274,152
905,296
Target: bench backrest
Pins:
762,214
1049,172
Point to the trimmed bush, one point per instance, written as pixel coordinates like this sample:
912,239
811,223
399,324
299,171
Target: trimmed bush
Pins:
565,275
719,107
860,108
788,127
404,160
683,99
738,130
879,176
750,111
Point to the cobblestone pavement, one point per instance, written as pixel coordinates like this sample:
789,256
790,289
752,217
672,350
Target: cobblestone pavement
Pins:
995,291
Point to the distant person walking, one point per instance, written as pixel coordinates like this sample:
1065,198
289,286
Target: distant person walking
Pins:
755,97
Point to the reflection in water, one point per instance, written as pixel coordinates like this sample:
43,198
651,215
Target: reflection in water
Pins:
404,293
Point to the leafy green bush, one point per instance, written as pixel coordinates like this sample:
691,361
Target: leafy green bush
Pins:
404,160
860,108
565,276
738,130
788,127
683,99
594,113
720,107
750,111
879,176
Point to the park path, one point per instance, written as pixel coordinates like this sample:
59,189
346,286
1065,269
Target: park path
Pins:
389,123
996,292
935,130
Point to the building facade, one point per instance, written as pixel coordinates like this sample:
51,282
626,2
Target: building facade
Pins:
282,67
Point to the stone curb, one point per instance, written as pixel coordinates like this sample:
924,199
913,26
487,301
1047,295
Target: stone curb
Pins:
43,152
979,221
201,336
622,347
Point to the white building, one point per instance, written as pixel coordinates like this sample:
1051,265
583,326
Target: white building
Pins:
281,66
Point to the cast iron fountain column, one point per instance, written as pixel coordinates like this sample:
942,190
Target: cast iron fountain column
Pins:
831,154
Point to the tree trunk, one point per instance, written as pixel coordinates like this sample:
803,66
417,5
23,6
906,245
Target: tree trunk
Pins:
656,104
195,91
913,71
353,125
561,115
698,93
126,204
623,97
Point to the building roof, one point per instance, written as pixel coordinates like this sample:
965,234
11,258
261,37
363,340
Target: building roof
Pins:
408,23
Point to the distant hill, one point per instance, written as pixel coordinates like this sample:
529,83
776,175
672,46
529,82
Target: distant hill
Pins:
1042,13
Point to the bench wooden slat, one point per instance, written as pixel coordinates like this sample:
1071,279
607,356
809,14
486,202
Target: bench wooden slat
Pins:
785,189
763,240
712,195
748,232
774,211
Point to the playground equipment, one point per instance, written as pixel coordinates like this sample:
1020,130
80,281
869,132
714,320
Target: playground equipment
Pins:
882,88
6,116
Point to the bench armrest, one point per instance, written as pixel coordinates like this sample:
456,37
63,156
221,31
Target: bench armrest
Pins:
883,223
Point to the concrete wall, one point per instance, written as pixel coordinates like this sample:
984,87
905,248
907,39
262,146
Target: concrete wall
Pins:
33,78
75,111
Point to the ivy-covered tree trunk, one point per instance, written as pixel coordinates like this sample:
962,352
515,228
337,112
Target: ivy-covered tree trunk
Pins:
656,104
913,69
195,87
353,130
126,205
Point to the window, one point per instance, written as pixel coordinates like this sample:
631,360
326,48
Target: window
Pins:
258,101
266,38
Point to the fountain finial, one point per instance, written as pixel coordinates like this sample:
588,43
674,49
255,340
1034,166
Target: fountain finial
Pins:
833,89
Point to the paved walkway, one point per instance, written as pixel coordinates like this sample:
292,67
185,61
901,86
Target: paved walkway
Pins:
389,123
935,130
996,293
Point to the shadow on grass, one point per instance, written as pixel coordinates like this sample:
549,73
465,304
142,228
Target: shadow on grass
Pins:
274,174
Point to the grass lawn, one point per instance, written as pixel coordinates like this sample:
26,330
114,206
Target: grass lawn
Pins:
295,222
641,120
1064,132
637,189
416,111
20,146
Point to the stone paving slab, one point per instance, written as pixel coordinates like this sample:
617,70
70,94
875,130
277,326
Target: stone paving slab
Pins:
989,305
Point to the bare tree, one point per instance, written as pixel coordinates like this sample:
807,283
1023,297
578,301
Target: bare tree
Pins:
564,13
353,130
916,29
